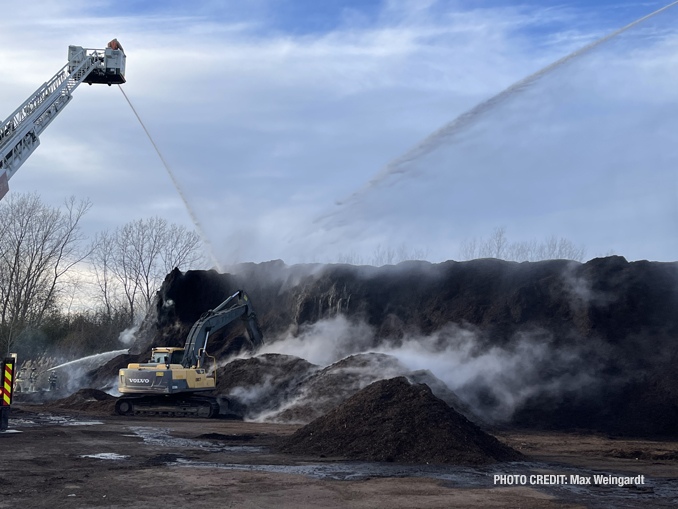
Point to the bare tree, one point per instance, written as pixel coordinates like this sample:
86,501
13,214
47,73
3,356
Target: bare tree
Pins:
38,246
498,246
403,253
124,265
102,262
183,248
351,258
139,255
385,256
469,249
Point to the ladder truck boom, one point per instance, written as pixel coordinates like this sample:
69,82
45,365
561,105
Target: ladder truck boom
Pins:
20,133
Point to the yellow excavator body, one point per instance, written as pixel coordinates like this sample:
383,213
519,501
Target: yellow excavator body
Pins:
164,374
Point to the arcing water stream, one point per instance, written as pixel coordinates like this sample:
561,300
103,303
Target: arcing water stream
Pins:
447,133
91,361
191,213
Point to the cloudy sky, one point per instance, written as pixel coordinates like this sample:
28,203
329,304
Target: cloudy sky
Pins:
275,115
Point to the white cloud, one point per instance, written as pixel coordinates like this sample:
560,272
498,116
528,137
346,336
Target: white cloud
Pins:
265,129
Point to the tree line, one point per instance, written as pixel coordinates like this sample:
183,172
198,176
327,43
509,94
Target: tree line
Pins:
498,246
60,289
47,264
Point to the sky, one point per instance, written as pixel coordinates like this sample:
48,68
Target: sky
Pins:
275,115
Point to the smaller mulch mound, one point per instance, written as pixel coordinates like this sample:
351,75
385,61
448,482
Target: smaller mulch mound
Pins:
328,388
392,420
262,383
86,400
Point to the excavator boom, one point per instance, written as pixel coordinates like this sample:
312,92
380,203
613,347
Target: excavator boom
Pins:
236,306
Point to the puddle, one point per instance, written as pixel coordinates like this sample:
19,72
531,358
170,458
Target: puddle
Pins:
161,437
105,456
49,420
11,431
657,492
460,477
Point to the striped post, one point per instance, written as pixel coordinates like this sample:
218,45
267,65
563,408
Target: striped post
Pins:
8,381
6,386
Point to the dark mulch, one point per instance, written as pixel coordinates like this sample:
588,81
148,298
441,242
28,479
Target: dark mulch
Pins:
393,420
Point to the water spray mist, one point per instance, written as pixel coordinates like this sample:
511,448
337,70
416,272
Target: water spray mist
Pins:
191,213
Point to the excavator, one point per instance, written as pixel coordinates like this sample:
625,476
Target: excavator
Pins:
172,381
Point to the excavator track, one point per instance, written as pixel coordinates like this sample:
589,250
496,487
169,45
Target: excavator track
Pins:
191,406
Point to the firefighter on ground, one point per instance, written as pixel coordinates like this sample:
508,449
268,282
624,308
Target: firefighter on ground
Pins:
19,381
32,379
53,381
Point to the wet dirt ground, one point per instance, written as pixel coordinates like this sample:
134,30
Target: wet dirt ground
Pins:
85,460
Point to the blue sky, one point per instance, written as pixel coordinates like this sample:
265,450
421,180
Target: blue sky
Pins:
269,112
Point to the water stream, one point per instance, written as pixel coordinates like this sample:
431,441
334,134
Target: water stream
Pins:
189,209
91,361
398,167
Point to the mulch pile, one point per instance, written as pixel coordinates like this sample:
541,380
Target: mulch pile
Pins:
287,389
85,400
329,387
393,420
260,384
608,320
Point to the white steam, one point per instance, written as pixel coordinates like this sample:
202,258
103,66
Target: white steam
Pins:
497,380
127,336
493,380
71,375
325,341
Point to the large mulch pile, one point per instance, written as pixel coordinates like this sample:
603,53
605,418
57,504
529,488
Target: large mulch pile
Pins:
609,327
393,420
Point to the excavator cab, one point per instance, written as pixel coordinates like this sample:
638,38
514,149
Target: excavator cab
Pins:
166,356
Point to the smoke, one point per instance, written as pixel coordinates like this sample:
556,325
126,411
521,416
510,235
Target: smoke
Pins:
303,396
127,336
581,291
493,380
325,341
496,381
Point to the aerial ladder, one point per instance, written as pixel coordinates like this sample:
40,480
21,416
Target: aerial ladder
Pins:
20,133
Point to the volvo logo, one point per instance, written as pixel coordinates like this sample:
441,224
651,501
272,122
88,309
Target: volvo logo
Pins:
139,380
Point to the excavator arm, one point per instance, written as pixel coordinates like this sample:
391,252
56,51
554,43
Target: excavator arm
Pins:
236,306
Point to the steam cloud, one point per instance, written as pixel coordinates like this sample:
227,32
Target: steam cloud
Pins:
127,336
493,380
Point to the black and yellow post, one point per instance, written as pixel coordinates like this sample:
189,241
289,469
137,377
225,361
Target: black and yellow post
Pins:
6,390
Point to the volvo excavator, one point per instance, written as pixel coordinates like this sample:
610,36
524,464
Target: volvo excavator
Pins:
173,381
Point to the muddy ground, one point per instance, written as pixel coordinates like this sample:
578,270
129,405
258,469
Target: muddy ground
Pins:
51,460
